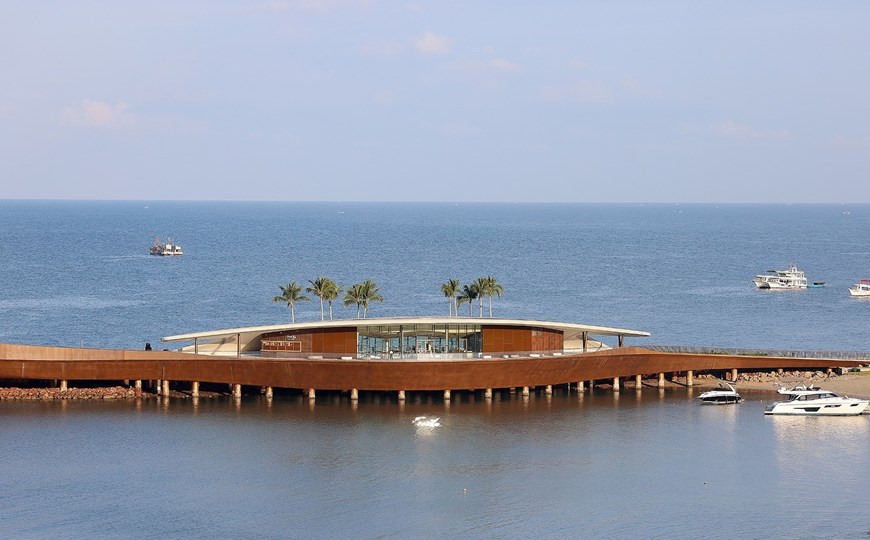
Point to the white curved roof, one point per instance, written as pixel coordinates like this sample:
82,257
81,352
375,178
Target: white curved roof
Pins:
570,330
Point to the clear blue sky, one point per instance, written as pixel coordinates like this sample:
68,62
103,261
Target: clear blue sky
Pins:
442,101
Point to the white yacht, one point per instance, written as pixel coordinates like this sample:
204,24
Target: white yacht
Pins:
165,250
723,395
862,288
816,402
781,279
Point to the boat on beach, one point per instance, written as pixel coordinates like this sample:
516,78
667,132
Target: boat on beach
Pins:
725,394
165,250
862,288
782,279
809,401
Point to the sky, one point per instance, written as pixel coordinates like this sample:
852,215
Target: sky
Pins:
327,100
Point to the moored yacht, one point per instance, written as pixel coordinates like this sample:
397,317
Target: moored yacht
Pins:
862,288
781,279
723,395
816,402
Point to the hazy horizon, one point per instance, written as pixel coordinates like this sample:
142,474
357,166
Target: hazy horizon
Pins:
361,100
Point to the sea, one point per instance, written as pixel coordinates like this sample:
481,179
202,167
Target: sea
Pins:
653,464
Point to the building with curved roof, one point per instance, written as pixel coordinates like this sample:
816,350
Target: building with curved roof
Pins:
405,338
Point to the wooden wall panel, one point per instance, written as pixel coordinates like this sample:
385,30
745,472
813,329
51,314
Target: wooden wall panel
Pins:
320,340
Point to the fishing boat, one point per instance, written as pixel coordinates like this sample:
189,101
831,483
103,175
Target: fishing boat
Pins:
816,284
165,250
803,400
862,288
723,395
782,279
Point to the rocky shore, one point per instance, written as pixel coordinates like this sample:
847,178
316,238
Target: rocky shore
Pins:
105,392
111,392
855,384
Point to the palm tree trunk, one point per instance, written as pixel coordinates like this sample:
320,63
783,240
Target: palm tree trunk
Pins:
330,310
490,307
321,309
292,313
449,308
480,307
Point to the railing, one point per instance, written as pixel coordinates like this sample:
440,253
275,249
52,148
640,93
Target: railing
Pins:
734,351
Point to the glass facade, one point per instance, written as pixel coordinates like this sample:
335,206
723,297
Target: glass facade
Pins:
418,340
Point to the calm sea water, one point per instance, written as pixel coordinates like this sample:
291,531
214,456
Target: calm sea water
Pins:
78,272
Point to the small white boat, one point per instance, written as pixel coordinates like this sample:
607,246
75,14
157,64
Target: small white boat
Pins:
723,395
781,279
425,421
862,288
811,401
165,250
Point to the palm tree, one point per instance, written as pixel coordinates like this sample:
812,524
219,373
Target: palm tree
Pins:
370,293
492,288
480,285
450,289
331,292
469,294
291,294
354,296
319,288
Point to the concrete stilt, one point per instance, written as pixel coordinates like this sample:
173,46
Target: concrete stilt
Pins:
158,387
311,393
194,389
488,393
137,384
269,393
354,394
616,384
525,391
63,385
548,389
779,371
401,395
661,380
690,378
166,388
581,386
638,382
447,395
237,390
734,374
591,384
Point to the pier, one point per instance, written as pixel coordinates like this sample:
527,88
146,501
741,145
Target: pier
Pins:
186,371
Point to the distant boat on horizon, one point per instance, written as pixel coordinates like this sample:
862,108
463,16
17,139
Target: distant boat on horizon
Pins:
165,250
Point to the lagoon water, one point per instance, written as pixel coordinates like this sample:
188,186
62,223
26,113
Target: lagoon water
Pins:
598,466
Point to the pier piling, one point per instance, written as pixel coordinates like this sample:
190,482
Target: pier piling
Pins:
616,384
661,380
194,389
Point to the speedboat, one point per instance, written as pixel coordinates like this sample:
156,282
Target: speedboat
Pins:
781,279
165,250
862,288
816,402
426,421
723,395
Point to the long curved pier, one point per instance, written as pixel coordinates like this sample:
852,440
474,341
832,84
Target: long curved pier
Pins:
26,362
